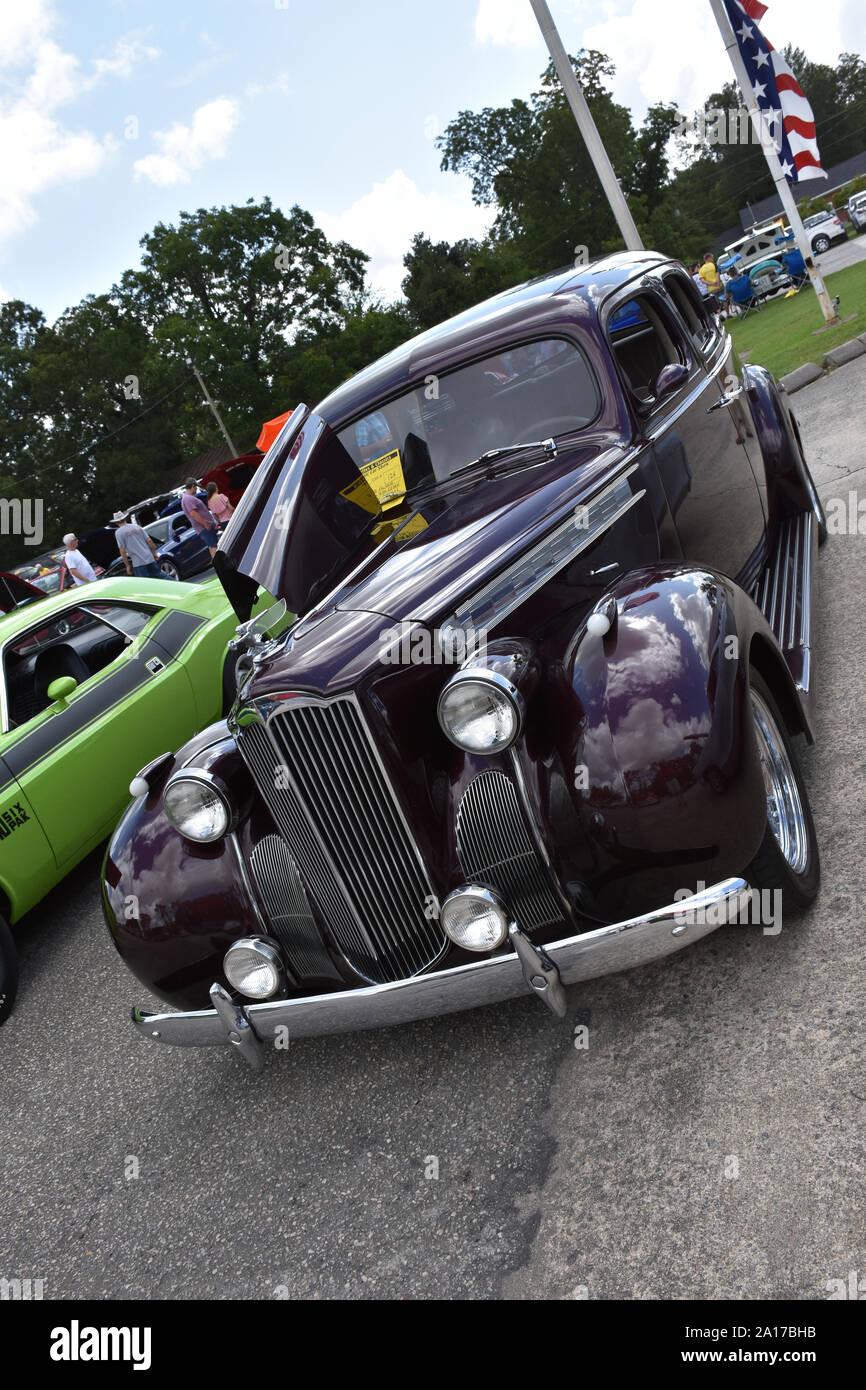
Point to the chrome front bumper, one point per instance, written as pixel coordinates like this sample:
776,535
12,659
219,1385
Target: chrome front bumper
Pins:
250,1028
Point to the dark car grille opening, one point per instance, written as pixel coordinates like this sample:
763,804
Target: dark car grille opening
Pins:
495,847
320,774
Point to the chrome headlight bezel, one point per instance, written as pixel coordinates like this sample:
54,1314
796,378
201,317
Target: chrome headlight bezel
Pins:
476,894
213,784
270,956
495,682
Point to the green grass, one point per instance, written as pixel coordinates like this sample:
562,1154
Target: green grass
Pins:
781,336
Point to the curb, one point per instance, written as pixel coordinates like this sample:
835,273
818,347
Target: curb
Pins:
836,357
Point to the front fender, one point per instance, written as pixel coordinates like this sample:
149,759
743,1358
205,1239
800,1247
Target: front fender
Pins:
659,754
173,907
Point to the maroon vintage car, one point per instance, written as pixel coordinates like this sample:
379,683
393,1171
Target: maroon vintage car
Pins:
534,723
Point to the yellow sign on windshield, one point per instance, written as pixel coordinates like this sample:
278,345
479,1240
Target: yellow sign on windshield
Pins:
381,478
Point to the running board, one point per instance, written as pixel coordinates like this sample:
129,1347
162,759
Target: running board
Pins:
784,595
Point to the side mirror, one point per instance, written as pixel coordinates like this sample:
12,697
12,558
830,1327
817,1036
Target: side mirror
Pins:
60,691
669,379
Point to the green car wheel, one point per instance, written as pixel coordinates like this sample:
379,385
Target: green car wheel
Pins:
8,970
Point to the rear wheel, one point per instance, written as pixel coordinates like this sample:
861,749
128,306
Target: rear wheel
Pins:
8,970
788,857
820,245
169,569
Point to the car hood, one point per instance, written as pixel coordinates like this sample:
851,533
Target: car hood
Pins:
298,535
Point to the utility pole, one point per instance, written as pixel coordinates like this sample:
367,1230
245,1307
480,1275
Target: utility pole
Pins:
783,188
207,395
587,127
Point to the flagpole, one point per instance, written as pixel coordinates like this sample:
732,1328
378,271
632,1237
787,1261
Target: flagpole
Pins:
587,127
783,188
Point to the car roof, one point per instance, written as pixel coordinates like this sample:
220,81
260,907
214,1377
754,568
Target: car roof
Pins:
45,610
530,308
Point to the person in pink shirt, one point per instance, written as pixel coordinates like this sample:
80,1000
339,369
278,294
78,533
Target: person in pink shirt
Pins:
198,516
219,504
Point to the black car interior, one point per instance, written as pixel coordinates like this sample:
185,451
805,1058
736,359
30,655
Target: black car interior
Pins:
77,645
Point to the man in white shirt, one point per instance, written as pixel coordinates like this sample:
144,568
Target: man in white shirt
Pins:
81,569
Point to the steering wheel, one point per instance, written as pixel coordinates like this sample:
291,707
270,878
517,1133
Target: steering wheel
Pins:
557,424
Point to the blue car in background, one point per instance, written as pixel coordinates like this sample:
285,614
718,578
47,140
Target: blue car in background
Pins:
179,549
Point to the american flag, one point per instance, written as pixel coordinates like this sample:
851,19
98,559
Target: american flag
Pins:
777,90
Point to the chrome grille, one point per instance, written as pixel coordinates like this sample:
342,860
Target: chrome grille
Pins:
495,847
320,774
287,909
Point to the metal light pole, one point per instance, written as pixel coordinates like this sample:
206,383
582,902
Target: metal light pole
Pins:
597,153
207,395
783,188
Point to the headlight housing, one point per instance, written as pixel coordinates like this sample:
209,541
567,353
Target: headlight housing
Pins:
475,918
481,711
198,805
254,967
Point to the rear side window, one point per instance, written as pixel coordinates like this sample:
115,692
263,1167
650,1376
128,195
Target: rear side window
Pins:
643,340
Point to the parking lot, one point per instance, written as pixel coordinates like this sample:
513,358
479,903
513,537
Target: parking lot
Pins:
706,1143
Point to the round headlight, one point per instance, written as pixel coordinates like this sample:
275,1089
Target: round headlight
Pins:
197,805
253,967
475,918
480,711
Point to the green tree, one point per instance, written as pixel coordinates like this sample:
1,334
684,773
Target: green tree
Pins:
443,279
231,287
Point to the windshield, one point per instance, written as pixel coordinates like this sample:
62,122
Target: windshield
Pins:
158,531
523,394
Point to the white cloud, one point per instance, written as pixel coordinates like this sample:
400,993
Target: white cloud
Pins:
683,59
37,151
383,222
126,54
185,148
512,23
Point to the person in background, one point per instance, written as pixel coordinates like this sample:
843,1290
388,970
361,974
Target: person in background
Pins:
701,284
219,505
137,550
198,516
710,276
79,567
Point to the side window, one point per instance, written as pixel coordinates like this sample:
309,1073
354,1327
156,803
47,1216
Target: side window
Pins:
643,340
689,305
78,643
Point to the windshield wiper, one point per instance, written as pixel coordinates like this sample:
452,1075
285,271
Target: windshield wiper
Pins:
430,490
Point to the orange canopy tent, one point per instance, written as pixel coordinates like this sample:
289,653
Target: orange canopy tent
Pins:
270,430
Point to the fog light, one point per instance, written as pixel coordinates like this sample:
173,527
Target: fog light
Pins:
475,918
254,968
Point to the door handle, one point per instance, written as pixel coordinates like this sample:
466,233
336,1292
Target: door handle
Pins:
725,399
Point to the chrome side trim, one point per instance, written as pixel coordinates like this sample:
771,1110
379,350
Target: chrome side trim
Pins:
620,946
500,596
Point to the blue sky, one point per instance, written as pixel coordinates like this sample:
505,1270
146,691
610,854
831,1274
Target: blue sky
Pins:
116,114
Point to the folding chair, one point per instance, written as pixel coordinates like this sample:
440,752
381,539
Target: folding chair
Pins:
743,295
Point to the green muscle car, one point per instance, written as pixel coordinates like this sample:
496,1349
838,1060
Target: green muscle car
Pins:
94,684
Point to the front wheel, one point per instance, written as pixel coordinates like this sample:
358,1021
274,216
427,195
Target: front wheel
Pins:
788,857
169,569
8,970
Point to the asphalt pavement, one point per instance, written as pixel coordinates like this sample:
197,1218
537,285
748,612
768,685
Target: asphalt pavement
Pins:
707,1142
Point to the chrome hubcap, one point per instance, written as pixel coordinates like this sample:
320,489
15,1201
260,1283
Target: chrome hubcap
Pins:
784,804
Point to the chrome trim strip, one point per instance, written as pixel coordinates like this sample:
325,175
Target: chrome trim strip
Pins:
620,946
487,607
